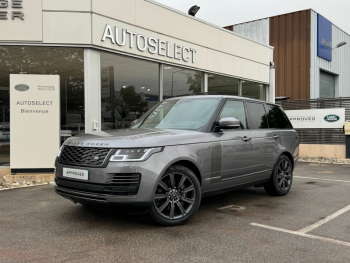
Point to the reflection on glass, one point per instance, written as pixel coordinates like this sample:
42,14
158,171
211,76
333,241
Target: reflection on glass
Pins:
224,85
235,109
253,90
185,114
129,88
257,116
66,62
180,81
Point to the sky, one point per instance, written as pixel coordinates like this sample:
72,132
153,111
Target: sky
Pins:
229,12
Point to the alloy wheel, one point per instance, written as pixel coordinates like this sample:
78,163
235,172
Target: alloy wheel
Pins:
175,195
284,178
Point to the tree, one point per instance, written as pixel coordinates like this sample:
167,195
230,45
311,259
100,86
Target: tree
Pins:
125,101
195,83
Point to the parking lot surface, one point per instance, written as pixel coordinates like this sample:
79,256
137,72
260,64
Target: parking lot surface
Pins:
310,224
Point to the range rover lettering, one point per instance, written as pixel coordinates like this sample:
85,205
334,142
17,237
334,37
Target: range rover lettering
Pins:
181,150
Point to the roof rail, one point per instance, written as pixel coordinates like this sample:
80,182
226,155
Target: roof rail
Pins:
200,93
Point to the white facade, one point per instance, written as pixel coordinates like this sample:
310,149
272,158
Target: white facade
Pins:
258,30
180,40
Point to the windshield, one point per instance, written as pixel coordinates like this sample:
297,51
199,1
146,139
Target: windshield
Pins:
182,114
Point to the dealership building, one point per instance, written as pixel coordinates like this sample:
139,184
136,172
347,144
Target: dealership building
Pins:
309,63
312,60
116,59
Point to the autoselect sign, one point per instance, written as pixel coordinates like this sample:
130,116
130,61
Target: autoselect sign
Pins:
123,37
321,118
35,120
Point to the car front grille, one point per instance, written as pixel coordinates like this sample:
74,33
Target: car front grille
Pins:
123,179
117,184
84,156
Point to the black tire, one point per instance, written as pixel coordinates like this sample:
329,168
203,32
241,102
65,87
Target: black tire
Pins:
281,178
177,197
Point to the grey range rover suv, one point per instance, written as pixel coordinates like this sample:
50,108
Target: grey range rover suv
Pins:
181,150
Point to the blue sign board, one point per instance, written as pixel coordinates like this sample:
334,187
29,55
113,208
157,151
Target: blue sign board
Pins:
324,38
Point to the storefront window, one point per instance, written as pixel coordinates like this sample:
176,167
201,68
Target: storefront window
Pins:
253,90
180,81
224,85
66,62
129,88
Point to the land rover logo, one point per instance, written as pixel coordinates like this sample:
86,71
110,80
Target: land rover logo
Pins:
332,118
22,87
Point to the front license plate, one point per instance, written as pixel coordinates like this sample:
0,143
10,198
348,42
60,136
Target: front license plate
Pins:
76,174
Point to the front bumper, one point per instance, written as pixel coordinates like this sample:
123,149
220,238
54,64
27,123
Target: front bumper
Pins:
95,191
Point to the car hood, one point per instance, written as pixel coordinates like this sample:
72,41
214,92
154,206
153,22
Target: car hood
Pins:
138,138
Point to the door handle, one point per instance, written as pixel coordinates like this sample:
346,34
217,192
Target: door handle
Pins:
275,136
246,139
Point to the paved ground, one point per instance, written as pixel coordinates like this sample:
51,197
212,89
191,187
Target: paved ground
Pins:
36,225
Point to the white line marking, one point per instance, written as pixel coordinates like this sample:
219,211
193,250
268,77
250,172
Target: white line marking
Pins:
325,220
225,207
321,179
232,207
334,241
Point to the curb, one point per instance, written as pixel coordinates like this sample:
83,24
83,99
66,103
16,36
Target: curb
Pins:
28,186
319,162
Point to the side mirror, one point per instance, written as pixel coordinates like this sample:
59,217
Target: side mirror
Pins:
228,123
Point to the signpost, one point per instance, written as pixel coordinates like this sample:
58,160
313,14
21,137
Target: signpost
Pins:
318,118
35,122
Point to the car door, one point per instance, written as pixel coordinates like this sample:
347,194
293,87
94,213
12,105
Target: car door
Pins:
268,142
232,149
290,137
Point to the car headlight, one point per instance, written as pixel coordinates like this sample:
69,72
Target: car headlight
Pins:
59,151
134,155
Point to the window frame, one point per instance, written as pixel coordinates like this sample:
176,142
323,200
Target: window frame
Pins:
250,117
284,114
266,105
220,109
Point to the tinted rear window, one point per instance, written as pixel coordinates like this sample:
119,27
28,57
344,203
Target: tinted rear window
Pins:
270,117
279,117
258,119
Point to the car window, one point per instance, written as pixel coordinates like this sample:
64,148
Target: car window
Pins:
280,117
270,117
183,114
257,116
235,109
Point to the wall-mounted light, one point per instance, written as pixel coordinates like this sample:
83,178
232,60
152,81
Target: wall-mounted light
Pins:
193,10
340,44
124,87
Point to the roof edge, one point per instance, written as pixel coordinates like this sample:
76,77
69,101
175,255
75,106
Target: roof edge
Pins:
205,22
272,17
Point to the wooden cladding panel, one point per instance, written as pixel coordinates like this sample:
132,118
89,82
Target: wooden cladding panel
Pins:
290,36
